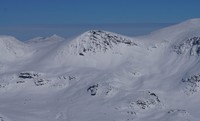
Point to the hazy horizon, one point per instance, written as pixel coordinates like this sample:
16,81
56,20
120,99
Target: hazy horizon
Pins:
26,32
26,19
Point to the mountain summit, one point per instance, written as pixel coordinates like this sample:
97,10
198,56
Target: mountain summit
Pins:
98,41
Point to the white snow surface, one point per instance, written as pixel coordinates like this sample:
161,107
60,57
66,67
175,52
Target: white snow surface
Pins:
103,76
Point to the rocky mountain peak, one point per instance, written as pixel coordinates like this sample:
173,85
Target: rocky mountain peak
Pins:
99,41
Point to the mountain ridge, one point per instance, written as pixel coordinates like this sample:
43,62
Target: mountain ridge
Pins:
103,76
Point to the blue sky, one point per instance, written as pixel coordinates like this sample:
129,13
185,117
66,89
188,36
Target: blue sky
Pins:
96,11
26,19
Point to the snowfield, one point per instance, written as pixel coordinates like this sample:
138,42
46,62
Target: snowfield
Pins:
103,76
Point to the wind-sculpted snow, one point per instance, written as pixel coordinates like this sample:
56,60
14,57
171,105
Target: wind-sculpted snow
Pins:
102,76
3,118
33,79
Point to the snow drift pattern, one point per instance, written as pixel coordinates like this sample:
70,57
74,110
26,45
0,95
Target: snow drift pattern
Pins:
102,76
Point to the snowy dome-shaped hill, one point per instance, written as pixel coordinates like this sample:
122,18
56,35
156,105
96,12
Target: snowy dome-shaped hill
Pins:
52,39
182,38
11,48
195,21
176,33
45,41
95,41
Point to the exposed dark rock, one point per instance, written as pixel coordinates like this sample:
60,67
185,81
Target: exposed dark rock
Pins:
93,89
176,111
142,104
191,46
21,81
192,84
99,41
1,119
153,94
72,77
27,75
131,112
81,54
32,76
40,82
150,99
2,86
67,77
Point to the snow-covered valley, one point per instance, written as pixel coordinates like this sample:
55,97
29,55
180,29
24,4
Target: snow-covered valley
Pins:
103,76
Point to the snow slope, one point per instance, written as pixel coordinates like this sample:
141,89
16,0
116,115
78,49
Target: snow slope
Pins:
11,48
103,76
91,49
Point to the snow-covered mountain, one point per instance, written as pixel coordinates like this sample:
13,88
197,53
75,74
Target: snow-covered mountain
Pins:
103,76
97,41
46,41
91,49
11,48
